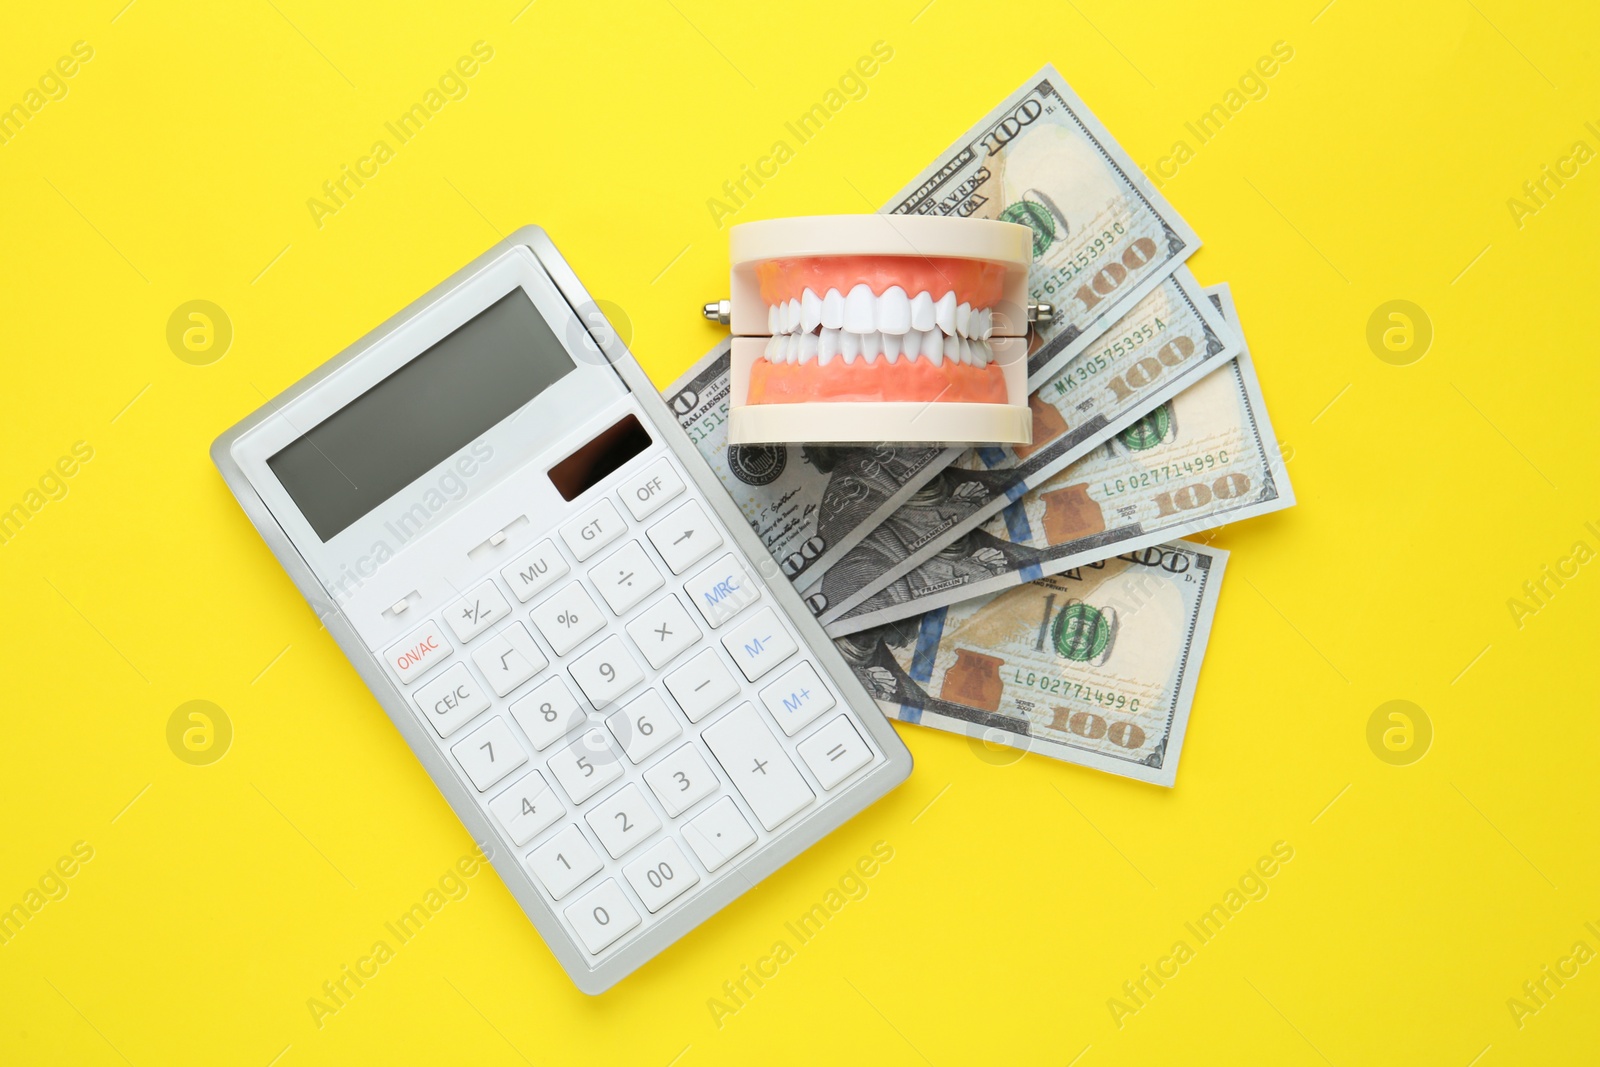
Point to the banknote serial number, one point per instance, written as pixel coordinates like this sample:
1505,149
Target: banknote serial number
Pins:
1172,472
702,430
1085,257
1055,685
1090,366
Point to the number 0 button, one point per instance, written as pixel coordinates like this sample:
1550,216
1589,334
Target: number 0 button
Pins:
602,915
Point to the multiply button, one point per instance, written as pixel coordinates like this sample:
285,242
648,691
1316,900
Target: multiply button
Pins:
451,699
684,537
594,530
421,649
721,590
652,487
759,644
477,611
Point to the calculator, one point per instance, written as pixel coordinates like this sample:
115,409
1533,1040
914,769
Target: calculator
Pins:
499,521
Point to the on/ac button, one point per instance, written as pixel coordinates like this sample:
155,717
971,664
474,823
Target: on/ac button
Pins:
650,488
418,652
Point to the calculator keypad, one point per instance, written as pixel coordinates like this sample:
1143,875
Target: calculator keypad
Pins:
629,746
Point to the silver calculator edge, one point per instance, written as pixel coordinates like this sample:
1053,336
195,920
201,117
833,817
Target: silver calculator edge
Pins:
743,874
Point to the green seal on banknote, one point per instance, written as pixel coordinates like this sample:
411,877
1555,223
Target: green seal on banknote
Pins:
1081,633
1149,430
1036,217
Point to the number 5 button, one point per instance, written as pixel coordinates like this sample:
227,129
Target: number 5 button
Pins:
586,766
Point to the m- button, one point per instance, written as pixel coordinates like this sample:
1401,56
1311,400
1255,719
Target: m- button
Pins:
593,530
650,488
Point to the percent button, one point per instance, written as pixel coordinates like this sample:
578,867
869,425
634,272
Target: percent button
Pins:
567,618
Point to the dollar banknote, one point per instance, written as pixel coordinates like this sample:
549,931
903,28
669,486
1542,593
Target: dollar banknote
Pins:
1095,665
1100,231
1205,458
1102,235
1171,338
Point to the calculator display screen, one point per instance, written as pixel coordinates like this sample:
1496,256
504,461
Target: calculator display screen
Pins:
420,415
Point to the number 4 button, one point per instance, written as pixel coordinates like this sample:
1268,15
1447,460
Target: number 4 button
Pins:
526,808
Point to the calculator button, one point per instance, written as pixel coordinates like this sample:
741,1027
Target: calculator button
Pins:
663,630
834,752
509,658
605,672
564,862
702,685
661,875
759,644
797,698
451,699
650,488
586,766
681,780
626,577
549,713
416,655
477,611
534,571
622,820
684,537
719,833
644,726
567,618
489,753
593,530
602,915
756,763
721,590
526,808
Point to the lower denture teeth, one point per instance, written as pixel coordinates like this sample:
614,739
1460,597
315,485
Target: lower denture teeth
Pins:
871,345
933,347
849,345
827,345
808,347
952,348
891,347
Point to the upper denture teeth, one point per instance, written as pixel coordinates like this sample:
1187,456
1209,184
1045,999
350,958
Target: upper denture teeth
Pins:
858,308
772,319
944,313
808,347
922,311
894,311
964,319
985,326
794,316
810,311
832,310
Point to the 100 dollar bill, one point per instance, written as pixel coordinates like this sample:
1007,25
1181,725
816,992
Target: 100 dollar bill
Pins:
1203,459
1170,339
1095,666
1039,158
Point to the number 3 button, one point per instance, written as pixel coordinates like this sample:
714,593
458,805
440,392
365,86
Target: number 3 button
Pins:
680,780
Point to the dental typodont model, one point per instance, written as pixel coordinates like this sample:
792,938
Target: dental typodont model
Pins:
878,328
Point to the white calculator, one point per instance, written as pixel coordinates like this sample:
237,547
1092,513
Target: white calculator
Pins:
497,518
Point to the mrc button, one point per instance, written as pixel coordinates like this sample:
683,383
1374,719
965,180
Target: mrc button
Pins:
416,655
721,590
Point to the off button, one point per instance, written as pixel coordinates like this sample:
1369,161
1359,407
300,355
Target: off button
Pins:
646,491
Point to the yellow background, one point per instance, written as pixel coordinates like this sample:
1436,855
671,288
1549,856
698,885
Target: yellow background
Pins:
1022,894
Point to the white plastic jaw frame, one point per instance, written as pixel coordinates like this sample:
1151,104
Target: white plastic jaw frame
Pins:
895,325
